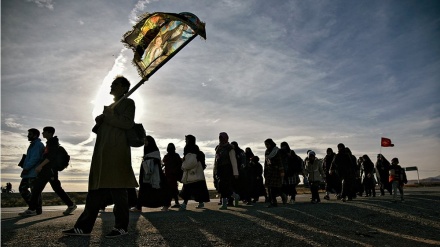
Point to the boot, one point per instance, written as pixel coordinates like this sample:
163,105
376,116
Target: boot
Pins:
224,204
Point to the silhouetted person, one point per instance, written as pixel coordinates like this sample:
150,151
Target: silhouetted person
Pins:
34,155
225,169
110,170
383,168
273,172
173,172
343,166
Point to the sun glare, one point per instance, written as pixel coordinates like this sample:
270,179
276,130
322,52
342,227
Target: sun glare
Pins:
103,97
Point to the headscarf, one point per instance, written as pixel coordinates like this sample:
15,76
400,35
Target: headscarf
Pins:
190,146
271,145
249,153
285,144
152,146
271,151
224,135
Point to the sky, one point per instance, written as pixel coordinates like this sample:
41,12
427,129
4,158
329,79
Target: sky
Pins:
311,73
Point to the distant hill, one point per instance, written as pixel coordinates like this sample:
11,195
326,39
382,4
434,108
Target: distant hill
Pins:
431,180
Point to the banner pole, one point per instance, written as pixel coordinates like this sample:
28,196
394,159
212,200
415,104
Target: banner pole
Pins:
129,92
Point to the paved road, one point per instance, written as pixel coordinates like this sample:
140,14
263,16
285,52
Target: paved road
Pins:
362,222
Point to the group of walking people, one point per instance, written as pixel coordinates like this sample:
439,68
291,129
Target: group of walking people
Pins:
238,174
348,177
37,171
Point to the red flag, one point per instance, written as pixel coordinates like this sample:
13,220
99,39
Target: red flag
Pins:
386,142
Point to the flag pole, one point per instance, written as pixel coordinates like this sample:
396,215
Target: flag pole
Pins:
380,150
96,127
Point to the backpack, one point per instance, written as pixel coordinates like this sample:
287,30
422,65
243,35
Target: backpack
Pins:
403,178
136,135
62,159
201,158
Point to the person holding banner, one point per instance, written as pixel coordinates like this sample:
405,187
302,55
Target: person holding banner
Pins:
110,169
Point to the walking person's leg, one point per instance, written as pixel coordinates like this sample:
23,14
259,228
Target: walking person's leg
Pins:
121,212
56,186
312,190
35,203
84,224
344,191
25,189
401,192
395,184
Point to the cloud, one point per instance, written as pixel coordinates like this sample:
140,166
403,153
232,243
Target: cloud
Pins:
138,10
43,3
311,74
11,122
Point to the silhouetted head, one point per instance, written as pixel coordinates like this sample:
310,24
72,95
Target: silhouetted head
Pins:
33,134
223,137
341,147
171,148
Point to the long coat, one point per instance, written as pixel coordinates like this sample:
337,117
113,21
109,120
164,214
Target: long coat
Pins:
111,161
272,172
314,171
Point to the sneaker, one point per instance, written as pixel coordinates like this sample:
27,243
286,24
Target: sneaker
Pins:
116,233
135,209
292,201
201,205
327,197
76,232
182,207
28,213
70,209
176,206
